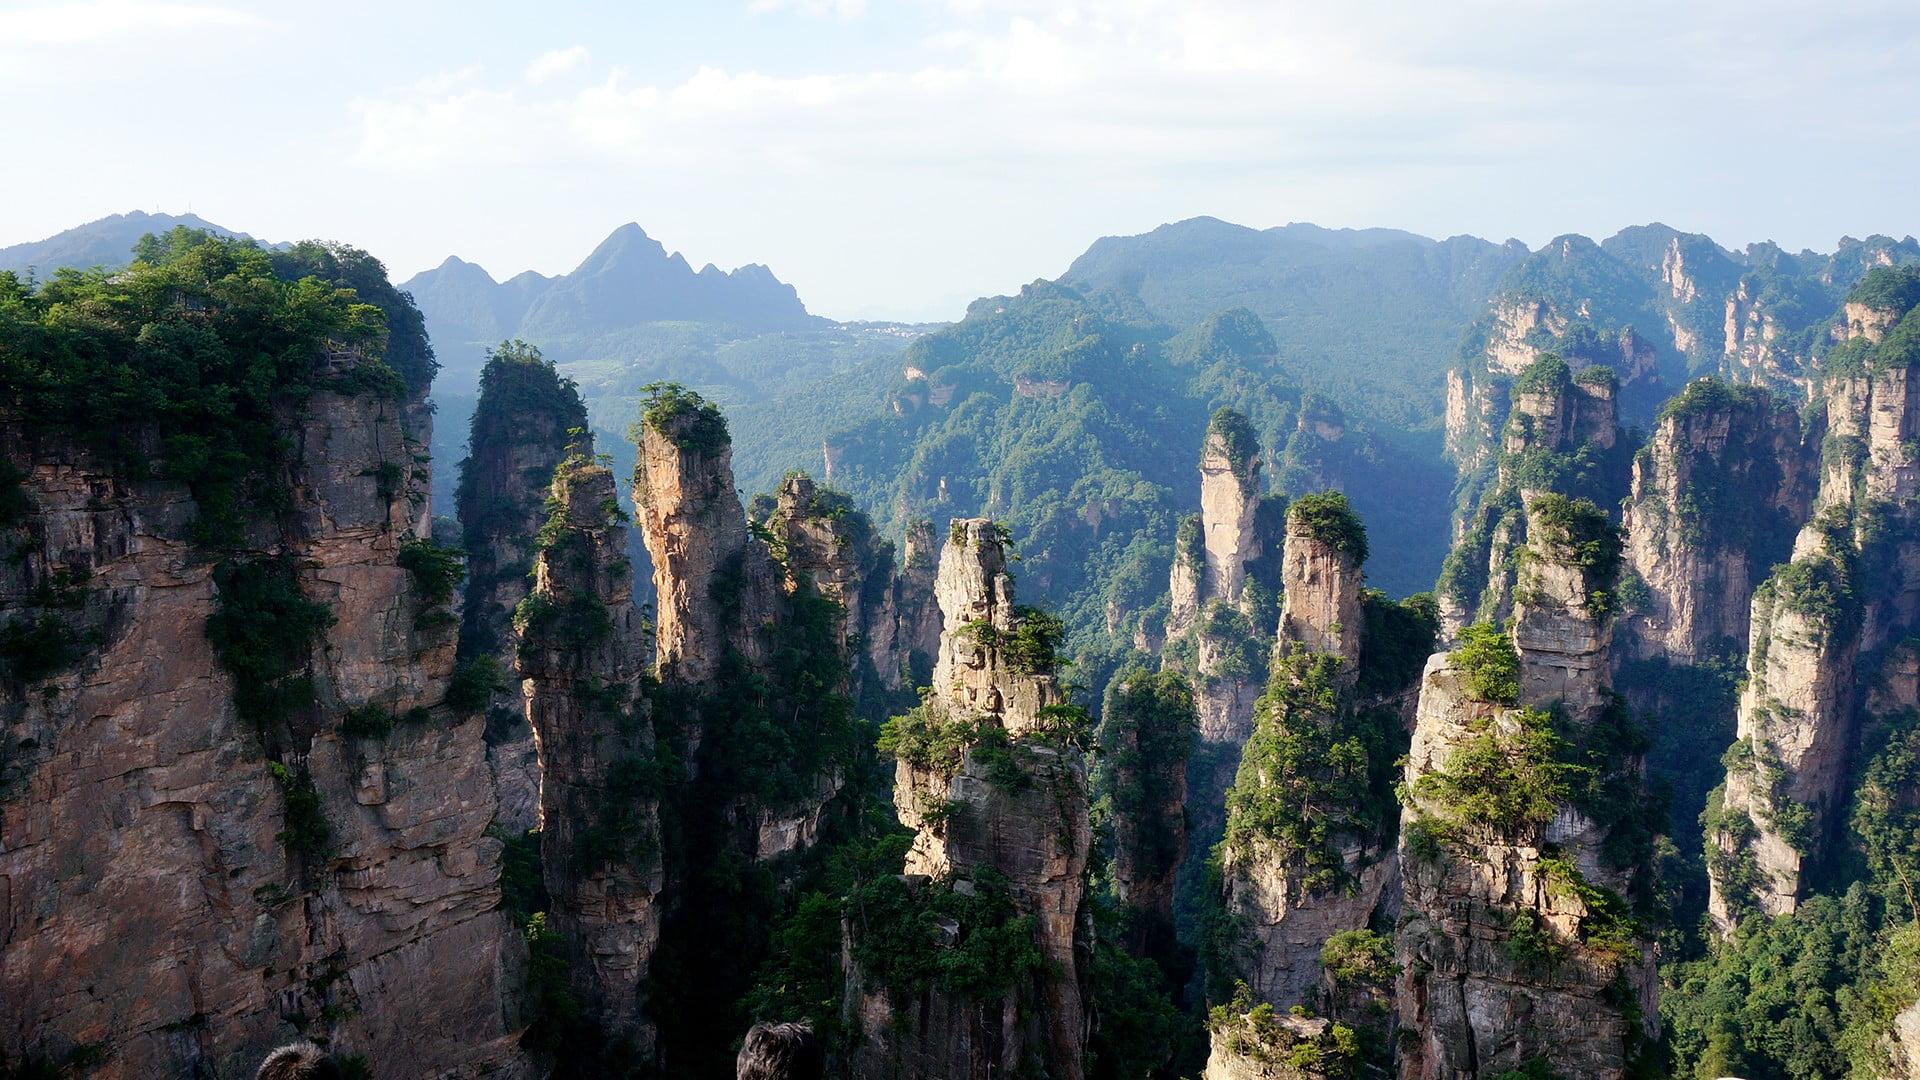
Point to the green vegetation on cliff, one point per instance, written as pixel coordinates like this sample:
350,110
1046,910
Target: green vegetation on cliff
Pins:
1313,769
180,366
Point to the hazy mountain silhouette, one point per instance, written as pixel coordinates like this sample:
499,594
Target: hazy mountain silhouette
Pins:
106,242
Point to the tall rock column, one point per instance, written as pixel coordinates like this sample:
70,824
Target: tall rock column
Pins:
992,779
1213,626
1717,495
1320,580
707,587
1308,853
526,422
1517,939
581,656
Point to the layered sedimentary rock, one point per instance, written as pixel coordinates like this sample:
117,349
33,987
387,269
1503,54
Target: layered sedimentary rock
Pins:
183,887
1717,494
581,657
527,420
1320,582
1009,807
1515,941
696,531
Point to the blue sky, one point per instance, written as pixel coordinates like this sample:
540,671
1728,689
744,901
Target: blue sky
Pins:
896,158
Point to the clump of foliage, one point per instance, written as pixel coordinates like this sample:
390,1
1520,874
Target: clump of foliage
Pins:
1237,437
1507,778
1488,664
307,832
1608,927
686,419
1327,518
1359,958
475,681
1255,1031
1399,637
1311,770
377,721
552,1010
899,940
436,568
199,345
1577,532
264,630
1547,373
1032,647
31,649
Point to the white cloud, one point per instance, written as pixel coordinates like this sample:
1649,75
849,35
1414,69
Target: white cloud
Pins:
1012,125
557,62
99,20
843,9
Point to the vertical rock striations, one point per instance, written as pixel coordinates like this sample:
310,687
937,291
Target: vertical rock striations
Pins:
991,778
1517,940
1219,604
1820,632
582,656
527,420
234,806
1717,494
1563,435
827,545
1308,854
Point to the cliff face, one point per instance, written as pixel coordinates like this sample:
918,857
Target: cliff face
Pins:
1308,855
581,656
1820,633
520,433
1320,594
1515,940
1210,623
885,625
1562,432
182,886
992,780
1717,494
696,531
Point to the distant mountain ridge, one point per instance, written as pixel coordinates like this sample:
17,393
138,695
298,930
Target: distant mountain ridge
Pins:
1348,307
628,281
106,242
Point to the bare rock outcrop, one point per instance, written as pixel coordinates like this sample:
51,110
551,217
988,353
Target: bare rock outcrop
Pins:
1516,938
1320,581
581,657
992,780
889,624
526,422
184,882
1717,494
712,590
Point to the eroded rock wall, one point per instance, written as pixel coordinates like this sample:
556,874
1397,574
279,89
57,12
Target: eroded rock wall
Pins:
1013,806
154,907
581,658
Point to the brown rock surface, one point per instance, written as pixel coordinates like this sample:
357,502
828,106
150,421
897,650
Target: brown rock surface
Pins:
147,905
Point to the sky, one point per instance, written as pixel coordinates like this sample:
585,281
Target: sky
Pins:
894,159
